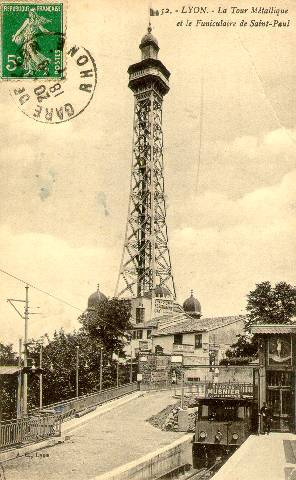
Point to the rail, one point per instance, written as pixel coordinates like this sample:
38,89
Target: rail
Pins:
29,430
68,408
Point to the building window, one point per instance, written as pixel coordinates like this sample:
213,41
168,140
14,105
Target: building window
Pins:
140,314
198,340
139,334
149,333
178,339
134,333
193,379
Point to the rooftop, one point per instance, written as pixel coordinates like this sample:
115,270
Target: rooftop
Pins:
273,328
182,323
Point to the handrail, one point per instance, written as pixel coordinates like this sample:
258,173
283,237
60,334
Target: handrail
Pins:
88,395
29,430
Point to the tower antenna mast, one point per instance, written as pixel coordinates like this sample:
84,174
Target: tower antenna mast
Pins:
146,261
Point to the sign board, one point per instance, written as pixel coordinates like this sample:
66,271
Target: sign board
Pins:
160,376
229,390
162,363
139,377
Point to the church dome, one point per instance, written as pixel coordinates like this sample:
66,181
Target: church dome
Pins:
148,38
192,306
95,299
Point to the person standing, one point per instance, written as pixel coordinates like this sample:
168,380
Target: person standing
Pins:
266,418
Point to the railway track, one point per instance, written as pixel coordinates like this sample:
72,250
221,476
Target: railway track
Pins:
201,474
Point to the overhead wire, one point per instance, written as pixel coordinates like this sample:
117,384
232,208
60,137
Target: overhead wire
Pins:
40,290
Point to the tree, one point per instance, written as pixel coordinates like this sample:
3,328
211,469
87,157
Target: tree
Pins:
267,304
108,323
8,383
59,367
104,327
242,351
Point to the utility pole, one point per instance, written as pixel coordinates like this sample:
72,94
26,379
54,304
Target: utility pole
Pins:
40,378
182,389
131,366
25,379
19,383
101,369
24,409
117,372
77,371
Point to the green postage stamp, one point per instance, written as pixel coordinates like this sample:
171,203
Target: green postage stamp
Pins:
32,40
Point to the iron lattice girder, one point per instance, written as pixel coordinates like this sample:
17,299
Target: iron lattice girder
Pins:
145,252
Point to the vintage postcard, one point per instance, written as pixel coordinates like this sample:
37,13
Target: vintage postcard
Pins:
147,238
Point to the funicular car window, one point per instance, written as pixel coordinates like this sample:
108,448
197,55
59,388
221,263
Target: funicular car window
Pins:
223,411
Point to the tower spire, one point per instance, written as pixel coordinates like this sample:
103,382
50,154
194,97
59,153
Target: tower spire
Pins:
146,258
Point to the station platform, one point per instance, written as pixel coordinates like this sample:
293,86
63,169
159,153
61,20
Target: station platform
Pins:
264,457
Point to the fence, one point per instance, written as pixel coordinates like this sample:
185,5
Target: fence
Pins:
204,389
68,408
210,389
28,430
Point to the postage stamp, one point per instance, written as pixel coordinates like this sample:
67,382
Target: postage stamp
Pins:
32,40
58,101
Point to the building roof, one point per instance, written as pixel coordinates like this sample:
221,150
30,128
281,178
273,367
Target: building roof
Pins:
182,323
8,369
273,328
191,304
148,38
95,299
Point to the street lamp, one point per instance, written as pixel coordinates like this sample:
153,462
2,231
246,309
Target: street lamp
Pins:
131,365
77,370
101,368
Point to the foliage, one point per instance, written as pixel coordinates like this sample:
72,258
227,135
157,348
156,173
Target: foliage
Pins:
59,362
245,347
8,383
267,304
108,322
102,334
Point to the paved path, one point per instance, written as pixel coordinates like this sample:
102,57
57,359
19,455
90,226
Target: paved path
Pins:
264,457
107,441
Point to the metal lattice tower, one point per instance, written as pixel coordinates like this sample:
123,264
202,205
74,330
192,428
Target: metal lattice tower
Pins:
145,261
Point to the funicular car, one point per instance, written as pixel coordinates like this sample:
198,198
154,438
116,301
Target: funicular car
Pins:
225,419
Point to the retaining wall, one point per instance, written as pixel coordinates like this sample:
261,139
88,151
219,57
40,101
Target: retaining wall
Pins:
154,464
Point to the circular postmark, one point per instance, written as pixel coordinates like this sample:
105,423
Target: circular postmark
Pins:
59,100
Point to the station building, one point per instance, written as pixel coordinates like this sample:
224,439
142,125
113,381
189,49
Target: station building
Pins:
160,324
275,378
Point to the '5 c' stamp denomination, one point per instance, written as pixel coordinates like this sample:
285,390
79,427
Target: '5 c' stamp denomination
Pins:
32,40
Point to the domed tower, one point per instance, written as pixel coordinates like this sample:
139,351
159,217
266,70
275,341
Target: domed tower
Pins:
95,299
145,261
192,306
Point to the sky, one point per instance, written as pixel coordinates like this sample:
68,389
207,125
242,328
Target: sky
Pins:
64,188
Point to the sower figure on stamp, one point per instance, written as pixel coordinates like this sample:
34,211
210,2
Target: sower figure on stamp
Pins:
266,418
26,36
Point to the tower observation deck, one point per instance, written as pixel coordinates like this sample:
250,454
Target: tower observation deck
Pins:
145,262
